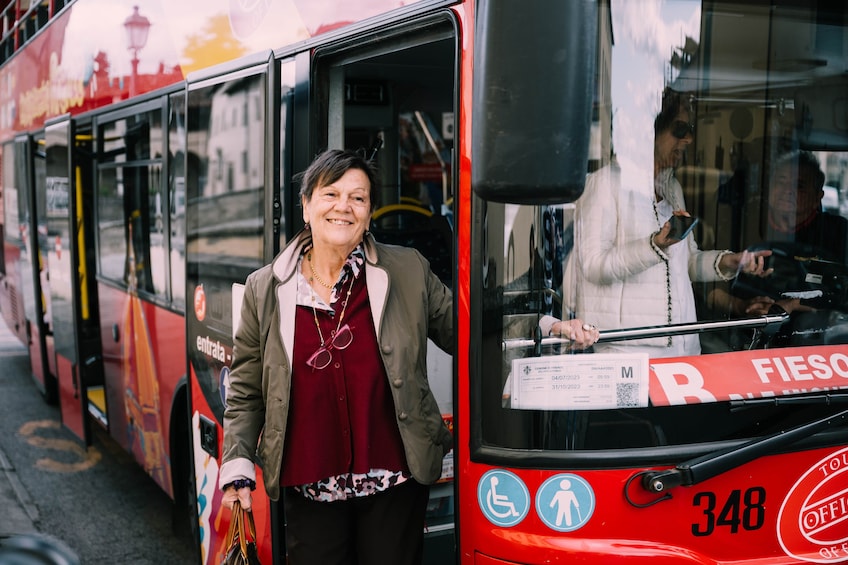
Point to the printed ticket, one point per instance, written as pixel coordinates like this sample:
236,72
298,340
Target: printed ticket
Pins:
600,381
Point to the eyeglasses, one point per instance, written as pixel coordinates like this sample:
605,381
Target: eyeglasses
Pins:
341,339
681,129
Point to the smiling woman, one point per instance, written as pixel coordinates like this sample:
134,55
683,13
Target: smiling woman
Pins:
337,206
340,440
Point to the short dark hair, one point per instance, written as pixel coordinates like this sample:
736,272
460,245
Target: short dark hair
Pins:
672,103
330,166
805,160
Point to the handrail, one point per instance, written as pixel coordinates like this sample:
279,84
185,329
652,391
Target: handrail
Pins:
769,321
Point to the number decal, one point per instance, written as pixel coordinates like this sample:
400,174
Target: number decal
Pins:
708,512
730,513
754,514
747,509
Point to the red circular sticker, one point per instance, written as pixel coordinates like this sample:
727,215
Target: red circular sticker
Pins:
199,303
812,524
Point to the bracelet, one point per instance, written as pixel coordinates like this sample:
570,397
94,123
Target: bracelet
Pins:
717,268
657,249
239,484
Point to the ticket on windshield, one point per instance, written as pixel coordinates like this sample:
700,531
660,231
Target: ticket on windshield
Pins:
601,381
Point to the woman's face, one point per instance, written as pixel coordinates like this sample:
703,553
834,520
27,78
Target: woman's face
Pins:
339,213
669,146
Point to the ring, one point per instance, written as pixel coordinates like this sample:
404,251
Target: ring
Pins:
588,327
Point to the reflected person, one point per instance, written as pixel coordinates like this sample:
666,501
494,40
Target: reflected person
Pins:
795,216
629,269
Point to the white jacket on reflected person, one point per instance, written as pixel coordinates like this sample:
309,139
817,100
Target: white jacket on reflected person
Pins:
616,276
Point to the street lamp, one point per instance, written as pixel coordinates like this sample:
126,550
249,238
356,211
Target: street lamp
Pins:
137,27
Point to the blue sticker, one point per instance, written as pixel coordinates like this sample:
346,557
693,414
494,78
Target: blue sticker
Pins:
503,497
565,502
224,384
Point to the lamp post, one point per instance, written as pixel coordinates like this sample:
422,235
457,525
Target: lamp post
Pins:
137,27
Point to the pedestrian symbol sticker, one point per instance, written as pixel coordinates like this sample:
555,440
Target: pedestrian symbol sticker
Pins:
565,502
503,497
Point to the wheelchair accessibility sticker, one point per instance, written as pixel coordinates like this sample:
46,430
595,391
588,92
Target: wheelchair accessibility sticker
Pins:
565,502
503,497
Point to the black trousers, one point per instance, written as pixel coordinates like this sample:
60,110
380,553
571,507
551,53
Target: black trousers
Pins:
384,528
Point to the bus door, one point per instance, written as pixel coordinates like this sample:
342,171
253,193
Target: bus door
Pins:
64,247
82,227
232,228
395,104
29,177
141,324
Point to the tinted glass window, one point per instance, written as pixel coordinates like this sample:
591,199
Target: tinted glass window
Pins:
177,197
727,112
59,232
131,204
225,221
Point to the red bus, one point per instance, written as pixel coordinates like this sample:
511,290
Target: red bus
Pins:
147,163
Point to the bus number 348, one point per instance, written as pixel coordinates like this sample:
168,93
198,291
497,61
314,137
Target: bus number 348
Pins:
747,509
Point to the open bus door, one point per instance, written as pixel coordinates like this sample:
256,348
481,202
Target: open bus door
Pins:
396,105
32,264
77,364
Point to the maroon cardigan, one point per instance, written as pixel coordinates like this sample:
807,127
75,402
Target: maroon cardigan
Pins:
341,418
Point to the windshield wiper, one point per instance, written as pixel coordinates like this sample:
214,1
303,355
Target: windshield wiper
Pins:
827,398
708,466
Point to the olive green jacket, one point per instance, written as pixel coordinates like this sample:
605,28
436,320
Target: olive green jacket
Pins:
408,304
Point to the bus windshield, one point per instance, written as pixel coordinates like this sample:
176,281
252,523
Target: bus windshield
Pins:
709,246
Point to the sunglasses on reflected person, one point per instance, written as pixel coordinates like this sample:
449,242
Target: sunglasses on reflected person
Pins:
681,129
322,357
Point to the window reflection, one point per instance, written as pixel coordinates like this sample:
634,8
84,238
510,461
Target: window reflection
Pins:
59,235
753,145
225,230
177,196
130,204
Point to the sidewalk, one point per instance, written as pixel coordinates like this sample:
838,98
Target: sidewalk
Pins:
19,512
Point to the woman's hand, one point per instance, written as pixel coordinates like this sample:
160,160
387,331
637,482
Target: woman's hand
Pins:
761,305
662,238
582,335
758,306
748,262
242,495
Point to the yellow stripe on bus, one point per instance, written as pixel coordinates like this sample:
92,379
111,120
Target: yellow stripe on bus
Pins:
82,272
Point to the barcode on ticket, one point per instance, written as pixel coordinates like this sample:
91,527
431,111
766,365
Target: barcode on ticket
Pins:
627,395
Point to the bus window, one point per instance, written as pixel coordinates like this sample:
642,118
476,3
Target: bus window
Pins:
398,112
726,130
15,251
177,196
225,224
287,213
130,203
45,205
59,230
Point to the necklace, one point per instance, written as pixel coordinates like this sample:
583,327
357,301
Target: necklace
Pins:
341,316
314,274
